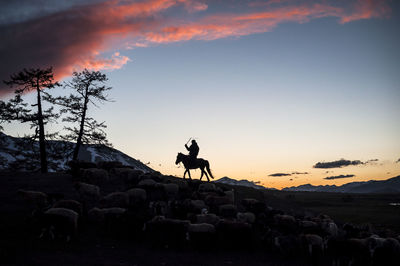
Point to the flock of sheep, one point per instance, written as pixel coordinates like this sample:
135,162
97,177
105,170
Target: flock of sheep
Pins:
169,211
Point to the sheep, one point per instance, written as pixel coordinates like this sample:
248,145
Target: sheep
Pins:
254,206
115,199
159,208
230,195
137,196
286,223
94,175
131,177
69,204
87,191
215,201
201,228
97,215
196,206
207,187
164,231
36,199
308,227
201,235
59,222
209,218
329,228
171,190
233,233
246,217
314,244
387,253
287,245
146,183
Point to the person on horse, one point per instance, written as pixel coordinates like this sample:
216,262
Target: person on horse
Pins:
193,151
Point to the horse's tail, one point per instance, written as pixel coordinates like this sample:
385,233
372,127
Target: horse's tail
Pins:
208,169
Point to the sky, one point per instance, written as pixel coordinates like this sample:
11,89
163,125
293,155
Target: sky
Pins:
279,92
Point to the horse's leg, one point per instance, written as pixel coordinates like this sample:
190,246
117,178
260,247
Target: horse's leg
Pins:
208,179
184,174
202,173
189,174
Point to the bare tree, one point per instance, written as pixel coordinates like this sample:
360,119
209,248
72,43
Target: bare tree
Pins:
28,80
88,88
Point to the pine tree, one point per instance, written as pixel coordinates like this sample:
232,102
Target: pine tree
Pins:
36,80
88,89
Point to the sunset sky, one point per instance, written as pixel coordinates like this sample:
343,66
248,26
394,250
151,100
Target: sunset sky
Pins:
267,88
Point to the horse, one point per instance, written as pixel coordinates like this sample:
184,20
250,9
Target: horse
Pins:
199,163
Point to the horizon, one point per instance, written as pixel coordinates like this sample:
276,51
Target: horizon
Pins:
276,92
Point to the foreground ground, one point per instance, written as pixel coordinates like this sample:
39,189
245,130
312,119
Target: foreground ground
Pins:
18,246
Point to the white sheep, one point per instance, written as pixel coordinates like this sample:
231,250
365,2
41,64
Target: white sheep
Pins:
209,218
246,217
228,210
94,175
136,196
87,191
69,204
330,228
231,196
37,199
98,215
207,187
60,222
171,190
201,228
285,222
314,244
115,199
197,206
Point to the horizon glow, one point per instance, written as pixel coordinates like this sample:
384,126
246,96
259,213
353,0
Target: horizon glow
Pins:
264,86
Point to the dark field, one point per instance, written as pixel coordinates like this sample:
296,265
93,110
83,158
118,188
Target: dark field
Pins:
19,246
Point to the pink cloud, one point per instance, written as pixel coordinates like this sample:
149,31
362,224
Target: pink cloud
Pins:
76,38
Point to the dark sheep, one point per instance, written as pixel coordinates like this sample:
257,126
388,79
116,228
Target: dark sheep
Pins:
167,232
115,199
69,204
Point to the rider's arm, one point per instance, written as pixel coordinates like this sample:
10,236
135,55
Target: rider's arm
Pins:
186,146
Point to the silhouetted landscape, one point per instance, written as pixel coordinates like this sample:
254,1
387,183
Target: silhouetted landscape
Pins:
128,214
199,133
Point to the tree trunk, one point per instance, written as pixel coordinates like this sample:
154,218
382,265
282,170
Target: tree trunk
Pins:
82,126
42,141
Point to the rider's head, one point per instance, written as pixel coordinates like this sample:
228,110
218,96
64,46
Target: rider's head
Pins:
194,142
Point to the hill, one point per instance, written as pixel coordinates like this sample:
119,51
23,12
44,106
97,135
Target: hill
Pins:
20,154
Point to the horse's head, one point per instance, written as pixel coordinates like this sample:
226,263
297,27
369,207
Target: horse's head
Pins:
179,158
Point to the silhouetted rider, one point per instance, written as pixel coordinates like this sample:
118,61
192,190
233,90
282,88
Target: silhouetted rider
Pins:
193,150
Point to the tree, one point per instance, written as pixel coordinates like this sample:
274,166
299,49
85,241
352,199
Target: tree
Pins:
88,89
28,80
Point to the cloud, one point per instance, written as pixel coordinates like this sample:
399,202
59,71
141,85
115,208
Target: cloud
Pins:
338,177
366,9
300,173
280,174
337,164
72,35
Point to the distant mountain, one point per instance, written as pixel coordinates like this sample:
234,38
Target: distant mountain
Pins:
245,183
391,185
20,154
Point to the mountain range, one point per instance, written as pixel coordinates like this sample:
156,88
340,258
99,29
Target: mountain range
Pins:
243,182
20,154
391,185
